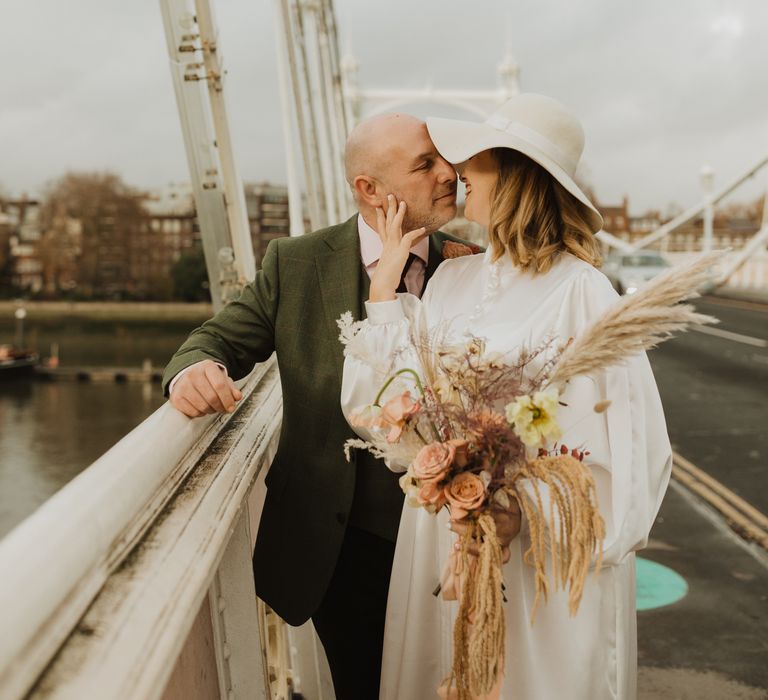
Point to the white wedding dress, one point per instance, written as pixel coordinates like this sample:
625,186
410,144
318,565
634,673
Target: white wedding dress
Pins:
591,656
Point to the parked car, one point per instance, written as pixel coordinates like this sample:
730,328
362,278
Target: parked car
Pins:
630,271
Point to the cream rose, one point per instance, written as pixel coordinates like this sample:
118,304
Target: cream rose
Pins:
411,489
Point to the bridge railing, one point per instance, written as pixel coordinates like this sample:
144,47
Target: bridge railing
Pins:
102,586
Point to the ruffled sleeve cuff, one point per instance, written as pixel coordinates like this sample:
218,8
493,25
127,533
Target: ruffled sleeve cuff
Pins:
381,312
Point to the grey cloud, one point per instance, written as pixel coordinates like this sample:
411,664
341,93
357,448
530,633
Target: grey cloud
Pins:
658,91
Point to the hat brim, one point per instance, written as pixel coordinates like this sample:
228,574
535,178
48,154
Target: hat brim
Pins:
457,141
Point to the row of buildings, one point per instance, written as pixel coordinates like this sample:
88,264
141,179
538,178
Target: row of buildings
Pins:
731,227
118,249
127,247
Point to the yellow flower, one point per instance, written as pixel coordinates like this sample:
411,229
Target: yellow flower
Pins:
534,418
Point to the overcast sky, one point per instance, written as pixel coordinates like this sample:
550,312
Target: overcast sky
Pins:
661,86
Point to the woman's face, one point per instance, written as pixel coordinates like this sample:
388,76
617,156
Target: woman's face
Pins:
479,175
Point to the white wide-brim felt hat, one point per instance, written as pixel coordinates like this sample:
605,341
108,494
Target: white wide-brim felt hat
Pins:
537,126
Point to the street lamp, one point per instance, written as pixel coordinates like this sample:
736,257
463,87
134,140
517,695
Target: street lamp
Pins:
707,175
20,314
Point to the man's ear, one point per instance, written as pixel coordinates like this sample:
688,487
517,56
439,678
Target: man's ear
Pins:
368,190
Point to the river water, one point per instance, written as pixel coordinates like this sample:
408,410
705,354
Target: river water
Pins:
51,431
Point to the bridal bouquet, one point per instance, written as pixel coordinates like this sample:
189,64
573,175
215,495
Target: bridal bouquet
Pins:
479,432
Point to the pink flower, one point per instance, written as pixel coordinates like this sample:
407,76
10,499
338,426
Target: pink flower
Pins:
396,412
431,494
464,493
433,461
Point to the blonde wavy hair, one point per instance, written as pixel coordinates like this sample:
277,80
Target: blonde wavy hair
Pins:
533,217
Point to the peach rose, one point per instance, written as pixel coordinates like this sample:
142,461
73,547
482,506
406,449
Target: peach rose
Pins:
396,412
466,492
433,461
431,496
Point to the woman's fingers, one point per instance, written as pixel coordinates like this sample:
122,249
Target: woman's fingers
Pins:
397,220
391,210
413,237
381,223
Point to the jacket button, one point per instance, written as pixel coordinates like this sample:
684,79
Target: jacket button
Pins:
340,518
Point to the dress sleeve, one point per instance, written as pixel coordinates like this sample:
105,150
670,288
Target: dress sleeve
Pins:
629,451
382,345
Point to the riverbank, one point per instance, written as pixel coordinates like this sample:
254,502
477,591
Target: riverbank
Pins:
108,311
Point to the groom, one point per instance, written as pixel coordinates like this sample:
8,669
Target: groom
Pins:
327,534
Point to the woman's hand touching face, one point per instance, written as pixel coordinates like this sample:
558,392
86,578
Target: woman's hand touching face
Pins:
396,248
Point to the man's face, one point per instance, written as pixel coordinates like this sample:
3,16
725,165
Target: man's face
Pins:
417,174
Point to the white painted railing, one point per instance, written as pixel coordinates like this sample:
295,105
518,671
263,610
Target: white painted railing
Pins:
751,275
101,586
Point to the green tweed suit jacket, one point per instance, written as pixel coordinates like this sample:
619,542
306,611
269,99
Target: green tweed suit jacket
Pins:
291,308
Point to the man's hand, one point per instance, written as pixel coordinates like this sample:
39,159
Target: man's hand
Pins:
507,527
204,389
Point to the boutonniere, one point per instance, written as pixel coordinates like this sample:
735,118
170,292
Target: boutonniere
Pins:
451,250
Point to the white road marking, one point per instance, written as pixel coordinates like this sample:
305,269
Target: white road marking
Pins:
729,335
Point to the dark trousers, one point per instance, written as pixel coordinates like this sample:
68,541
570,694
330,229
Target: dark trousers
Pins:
350,619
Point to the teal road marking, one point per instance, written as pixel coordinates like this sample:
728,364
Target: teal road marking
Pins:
658,585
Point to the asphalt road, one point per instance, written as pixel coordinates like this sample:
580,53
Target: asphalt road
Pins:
714,387
712,644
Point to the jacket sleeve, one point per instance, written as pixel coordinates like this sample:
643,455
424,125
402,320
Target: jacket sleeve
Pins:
242,333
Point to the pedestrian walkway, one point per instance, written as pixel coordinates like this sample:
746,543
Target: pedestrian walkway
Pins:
712,644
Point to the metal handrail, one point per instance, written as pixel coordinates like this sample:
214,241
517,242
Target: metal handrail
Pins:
90,610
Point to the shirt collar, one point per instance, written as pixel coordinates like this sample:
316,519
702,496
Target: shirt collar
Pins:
371,246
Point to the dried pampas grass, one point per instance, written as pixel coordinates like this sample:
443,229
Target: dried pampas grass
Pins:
638,322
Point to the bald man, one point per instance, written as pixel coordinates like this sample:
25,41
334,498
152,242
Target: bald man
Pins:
328,529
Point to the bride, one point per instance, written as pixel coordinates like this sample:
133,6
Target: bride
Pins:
537,280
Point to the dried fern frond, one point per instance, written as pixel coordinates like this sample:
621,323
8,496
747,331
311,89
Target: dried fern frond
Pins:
638,322
574,526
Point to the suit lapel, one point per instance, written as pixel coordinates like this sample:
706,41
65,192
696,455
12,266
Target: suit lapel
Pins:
338,272
344,284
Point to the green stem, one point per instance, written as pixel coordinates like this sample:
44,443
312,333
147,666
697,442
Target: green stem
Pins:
407,370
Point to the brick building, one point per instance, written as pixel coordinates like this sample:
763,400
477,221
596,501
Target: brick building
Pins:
616,218
20,265
729,230
117,253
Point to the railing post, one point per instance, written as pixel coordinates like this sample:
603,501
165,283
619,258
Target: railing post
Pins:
707,184
239,646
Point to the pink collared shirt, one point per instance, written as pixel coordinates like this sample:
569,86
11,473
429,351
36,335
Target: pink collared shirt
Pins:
370,252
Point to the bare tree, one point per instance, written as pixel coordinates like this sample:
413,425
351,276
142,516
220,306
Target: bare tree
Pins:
88,222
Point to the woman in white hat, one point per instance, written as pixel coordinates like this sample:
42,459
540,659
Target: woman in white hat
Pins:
538,279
